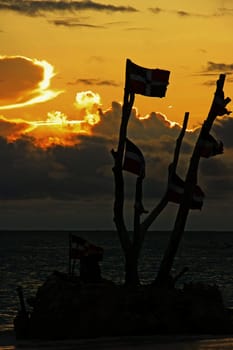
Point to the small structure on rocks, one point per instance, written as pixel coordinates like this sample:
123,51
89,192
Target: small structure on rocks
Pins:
89,256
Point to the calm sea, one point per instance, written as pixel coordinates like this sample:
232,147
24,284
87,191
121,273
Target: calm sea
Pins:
28,258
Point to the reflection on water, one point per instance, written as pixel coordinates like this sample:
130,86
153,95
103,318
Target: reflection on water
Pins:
129,343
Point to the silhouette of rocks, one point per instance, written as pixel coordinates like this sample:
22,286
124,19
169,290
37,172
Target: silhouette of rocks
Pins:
66,307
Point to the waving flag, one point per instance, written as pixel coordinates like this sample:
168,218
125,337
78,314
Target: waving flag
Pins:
210,147
80,247
134,161
147,82
219,105
176,191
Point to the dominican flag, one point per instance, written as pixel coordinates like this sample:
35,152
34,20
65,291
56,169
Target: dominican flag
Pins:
176,191
147,82
80,247
134,161
210,147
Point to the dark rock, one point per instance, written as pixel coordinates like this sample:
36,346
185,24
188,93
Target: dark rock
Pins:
67,307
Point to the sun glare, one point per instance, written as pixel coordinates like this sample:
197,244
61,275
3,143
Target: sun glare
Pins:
58,129
57,118
162,117
92,119
41,93
147,116
87,99
48,73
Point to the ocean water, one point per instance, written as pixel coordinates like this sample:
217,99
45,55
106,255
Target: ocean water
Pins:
28,258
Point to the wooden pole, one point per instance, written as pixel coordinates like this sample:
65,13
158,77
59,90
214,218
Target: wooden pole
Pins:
70,247
164,201
117,169
138,208
179,142
21,300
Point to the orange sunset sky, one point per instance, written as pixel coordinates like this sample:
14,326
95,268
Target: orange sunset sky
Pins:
62,74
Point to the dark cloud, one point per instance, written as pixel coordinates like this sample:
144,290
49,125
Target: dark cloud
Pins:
223,130
220,12
19,79
84,169
54,214
82,173
180,13
116,23
213,82
183,13
216,174
219,67
22,81
74,23
223,11
210,82
58,172
16,128
40,7
213,69
155,10
214,167
94,81
137,28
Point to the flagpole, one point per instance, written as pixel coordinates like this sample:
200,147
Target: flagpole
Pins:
72,269
137,212
163,202
126,111
118,160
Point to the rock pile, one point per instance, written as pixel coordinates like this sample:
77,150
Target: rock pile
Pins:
66,307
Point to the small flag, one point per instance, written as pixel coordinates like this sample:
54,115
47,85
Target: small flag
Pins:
145,81
210,147
81,247
134,161
219,105
176,191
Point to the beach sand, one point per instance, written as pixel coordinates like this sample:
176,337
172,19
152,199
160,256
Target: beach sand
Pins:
179,342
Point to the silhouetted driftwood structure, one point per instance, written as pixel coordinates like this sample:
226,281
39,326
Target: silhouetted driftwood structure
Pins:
132,246
87,306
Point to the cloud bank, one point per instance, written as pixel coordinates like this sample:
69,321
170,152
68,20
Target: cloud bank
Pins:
83,169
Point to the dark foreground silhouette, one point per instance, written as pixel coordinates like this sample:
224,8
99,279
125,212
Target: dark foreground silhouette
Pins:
67,307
